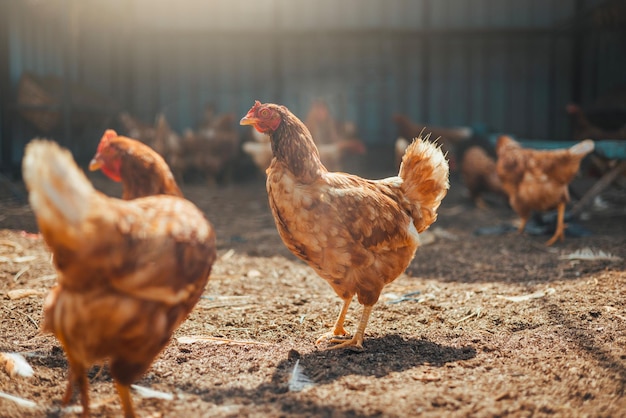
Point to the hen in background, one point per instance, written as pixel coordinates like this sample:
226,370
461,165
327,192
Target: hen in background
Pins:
537,180
169,145
332,155
137,129
259,149
478,169
160,137
334,145
399,148
447,137
208,118
350,145
321,124
210,152
583,128
214,148
128,271
357,234
335,140
142,171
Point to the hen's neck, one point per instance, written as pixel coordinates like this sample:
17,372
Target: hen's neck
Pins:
293,146
142,178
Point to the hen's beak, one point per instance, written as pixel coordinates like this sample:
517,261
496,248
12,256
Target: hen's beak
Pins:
95,164
248,120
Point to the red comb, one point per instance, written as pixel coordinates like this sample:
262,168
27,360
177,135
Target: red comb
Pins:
109,134
254,108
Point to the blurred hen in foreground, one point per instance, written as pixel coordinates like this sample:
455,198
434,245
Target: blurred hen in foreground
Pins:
358,234
538,179
129,271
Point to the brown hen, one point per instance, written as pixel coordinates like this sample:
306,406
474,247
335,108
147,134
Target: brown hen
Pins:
212,151
129,272
583,128
358,234
537,180
142,171
448,137
137,129
478,172
322,124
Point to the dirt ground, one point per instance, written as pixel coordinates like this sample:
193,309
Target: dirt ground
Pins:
444,340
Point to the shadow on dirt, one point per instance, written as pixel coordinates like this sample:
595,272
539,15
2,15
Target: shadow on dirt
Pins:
381,357
384,355
586,343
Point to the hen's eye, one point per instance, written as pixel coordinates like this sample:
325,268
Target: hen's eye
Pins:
264,113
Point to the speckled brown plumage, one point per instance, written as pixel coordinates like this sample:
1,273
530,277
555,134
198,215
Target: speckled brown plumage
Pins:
537,180
129,271
358,234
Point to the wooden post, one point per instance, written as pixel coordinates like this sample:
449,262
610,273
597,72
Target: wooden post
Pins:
598,187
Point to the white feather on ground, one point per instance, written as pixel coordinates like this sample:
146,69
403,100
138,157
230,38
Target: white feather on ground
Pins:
145,392
298,380
20,401
16,365
587,254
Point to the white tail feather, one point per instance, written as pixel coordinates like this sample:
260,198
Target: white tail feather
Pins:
583,147
424,171
401,145
57,187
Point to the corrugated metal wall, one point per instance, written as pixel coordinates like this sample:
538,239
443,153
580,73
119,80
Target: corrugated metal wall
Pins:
509,65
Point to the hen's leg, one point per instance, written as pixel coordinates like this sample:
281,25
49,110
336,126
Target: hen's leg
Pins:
69,389
127,404
559,233
338,329
77,376
522,225
480,203
357,341
83,386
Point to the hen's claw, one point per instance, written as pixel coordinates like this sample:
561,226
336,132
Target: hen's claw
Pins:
341,341
354,344
338,329
332,337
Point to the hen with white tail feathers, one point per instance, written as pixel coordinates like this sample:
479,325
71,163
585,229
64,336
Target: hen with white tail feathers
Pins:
537,180
47,169
357,234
